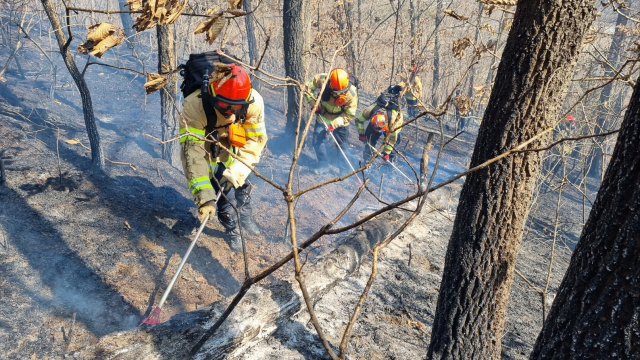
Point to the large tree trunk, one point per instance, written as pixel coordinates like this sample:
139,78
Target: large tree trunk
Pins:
97,158
169,122
615,51
596,312
537,63
255,318
293,22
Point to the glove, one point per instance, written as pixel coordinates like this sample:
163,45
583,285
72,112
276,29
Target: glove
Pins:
225,184
330,128
318,109
208,208
386,157
362,138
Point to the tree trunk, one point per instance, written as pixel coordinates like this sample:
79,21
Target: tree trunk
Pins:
615,51
413,27
537,63
251,38
436,54
127,20
97,158
257,315
293,22
596,312
168,120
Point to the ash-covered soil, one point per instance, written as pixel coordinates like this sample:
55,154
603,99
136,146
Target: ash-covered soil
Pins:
85,253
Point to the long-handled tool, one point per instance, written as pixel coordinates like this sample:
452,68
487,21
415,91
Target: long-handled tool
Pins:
154,317
394,166
338,145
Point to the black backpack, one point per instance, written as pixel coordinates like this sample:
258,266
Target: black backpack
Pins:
388,100
195,69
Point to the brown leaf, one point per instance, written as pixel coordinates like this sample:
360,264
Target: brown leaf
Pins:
72,141
155,82
235,4
133,4
459,46
489,9
100,31
108,43
175,10
236,12
126,225
506,24
463,103
215,30
206,24
488,27
455,15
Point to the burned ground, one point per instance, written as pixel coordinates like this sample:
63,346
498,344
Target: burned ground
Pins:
89,253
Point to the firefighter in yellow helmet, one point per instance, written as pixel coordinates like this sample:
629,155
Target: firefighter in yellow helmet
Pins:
384,118
232,112
338,106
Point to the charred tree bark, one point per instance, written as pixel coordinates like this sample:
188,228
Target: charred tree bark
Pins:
596,313
168,120
256,316
537,63
615,51
293,22
97,158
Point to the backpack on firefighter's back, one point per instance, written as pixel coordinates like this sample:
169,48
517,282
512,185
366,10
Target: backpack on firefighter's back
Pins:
197,66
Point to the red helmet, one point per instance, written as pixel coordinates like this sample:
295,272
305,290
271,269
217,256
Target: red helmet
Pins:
232,96
339,80
570,118
380,122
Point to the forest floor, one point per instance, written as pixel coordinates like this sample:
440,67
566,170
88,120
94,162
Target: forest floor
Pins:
85,253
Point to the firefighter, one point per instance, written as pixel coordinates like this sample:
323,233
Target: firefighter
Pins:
338,106
414,91
384,118
229,110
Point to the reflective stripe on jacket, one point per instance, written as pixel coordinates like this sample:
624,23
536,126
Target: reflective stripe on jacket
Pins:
196,154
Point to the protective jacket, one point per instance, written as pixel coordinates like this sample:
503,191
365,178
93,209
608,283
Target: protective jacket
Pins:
396,120
331,114
198,159
414,92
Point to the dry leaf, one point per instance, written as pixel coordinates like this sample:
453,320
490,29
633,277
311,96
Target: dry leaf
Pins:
215,30
455,15
154,82
459,46
133,4
72,141
488,27
108,43
489,9
499,2
506,24
100,31
462,103
126,225
235,4
236,12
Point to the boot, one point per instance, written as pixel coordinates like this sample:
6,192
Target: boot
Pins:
234,240
243,200
232,234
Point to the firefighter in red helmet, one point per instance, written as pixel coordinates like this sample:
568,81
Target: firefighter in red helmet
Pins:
232,112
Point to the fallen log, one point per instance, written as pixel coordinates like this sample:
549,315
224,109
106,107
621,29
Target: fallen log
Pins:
256,316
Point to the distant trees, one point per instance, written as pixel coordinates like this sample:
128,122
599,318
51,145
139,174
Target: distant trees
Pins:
596,311
537,63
